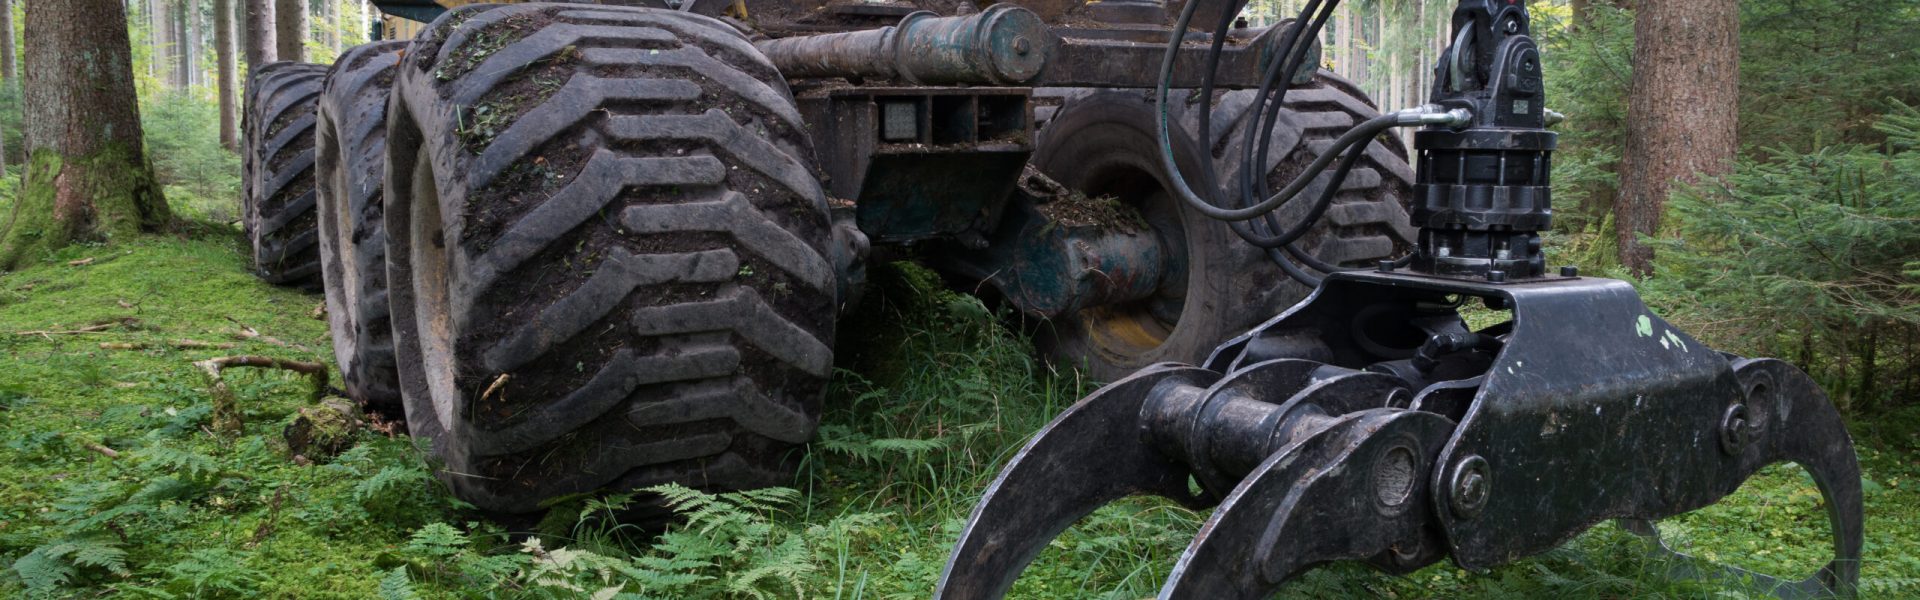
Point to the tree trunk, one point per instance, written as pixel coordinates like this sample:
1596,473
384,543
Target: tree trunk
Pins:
196,47
290,29
225,71
88,176
260,46
7,73
198,39
1579,10
1681,112
330,12
178,37
7,68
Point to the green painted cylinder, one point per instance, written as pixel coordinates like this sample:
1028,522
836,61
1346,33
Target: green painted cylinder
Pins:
1003,45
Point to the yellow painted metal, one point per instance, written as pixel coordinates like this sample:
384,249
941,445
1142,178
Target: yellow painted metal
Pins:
395,28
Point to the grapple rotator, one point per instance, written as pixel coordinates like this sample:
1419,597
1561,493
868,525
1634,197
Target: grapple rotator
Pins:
1370,422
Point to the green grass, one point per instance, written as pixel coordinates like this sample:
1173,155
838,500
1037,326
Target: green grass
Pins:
934,395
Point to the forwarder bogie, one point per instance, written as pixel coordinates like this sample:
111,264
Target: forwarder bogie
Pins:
606,246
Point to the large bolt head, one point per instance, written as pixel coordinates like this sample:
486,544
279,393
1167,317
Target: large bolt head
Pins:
1735,429
1470,487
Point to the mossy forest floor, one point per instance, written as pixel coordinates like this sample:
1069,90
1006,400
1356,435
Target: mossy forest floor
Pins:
935,393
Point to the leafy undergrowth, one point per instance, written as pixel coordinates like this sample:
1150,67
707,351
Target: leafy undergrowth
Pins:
934,395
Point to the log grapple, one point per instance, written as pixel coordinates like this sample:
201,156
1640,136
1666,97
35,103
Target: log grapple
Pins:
1371,422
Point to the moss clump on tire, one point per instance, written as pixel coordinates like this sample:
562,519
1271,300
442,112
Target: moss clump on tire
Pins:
627,283
351,170
277,166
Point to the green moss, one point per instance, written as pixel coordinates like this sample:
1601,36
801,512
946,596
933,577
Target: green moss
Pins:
120,200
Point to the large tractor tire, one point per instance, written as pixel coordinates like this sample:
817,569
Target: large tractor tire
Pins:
1102,143
351,169
606,254
277,166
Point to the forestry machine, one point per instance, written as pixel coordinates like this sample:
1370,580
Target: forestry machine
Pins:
605,245
1371,422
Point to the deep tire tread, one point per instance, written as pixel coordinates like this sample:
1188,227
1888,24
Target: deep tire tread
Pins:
351,171
279,164
665,314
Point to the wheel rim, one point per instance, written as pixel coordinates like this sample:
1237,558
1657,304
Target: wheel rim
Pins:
336,234
433,312
1125,330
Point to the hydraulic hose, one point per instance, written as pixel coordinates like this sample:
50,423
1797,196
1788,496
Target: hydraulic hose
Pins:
1264,112
1354,144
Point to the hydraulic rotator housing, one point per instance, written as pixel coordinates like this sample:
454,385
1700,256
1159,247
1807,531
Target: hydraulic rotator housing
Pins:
1481,195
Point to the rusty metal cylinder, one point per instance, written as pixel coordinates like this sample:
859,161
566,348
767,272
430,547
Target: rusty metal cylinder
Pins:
1003,45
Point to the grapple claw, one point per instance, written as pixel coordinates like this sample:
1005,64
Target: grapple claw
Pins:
1092,454
1509,447
1354,490
1787,419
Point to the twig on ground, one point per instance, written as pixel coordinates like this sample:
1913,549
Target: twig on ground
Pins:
248,333
91,445
226,412
94,328
88,329
498,382
177,344
80,263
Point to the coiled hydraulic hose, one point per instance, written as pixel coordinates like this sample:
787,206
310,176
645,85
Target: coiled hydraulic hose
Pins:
1246,221
1184,191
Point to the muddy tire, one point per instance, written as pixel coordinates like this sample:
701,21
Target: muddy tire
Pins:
277,167
350,170
1103,143
607,254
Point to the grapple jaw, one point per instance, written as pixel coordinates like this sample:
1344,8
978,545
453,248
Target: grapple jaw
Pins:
1414,438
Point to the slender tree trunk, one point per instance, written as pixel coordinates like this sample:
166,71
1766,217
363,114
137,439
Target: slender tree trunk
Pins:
196,47
291,29
88,176
1579,10
239,18
7,72
260,25
161,17
330,12
7,68
225,72
179,45
198,39
1681,112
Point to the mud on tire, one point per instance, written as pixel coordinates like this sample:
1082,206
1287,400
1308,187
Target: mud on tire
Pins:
606,250
1103,143
277,168
350,168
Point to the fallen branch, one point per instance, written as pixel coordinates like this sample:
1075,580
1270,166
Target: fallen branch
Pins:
80,263
177,344
88,329
226,411
94,328
90,445
103,450
499,381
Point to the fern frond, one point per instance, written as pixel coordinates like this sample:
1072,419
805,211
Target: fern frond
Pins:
161,459
396,585
437,540
42,573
